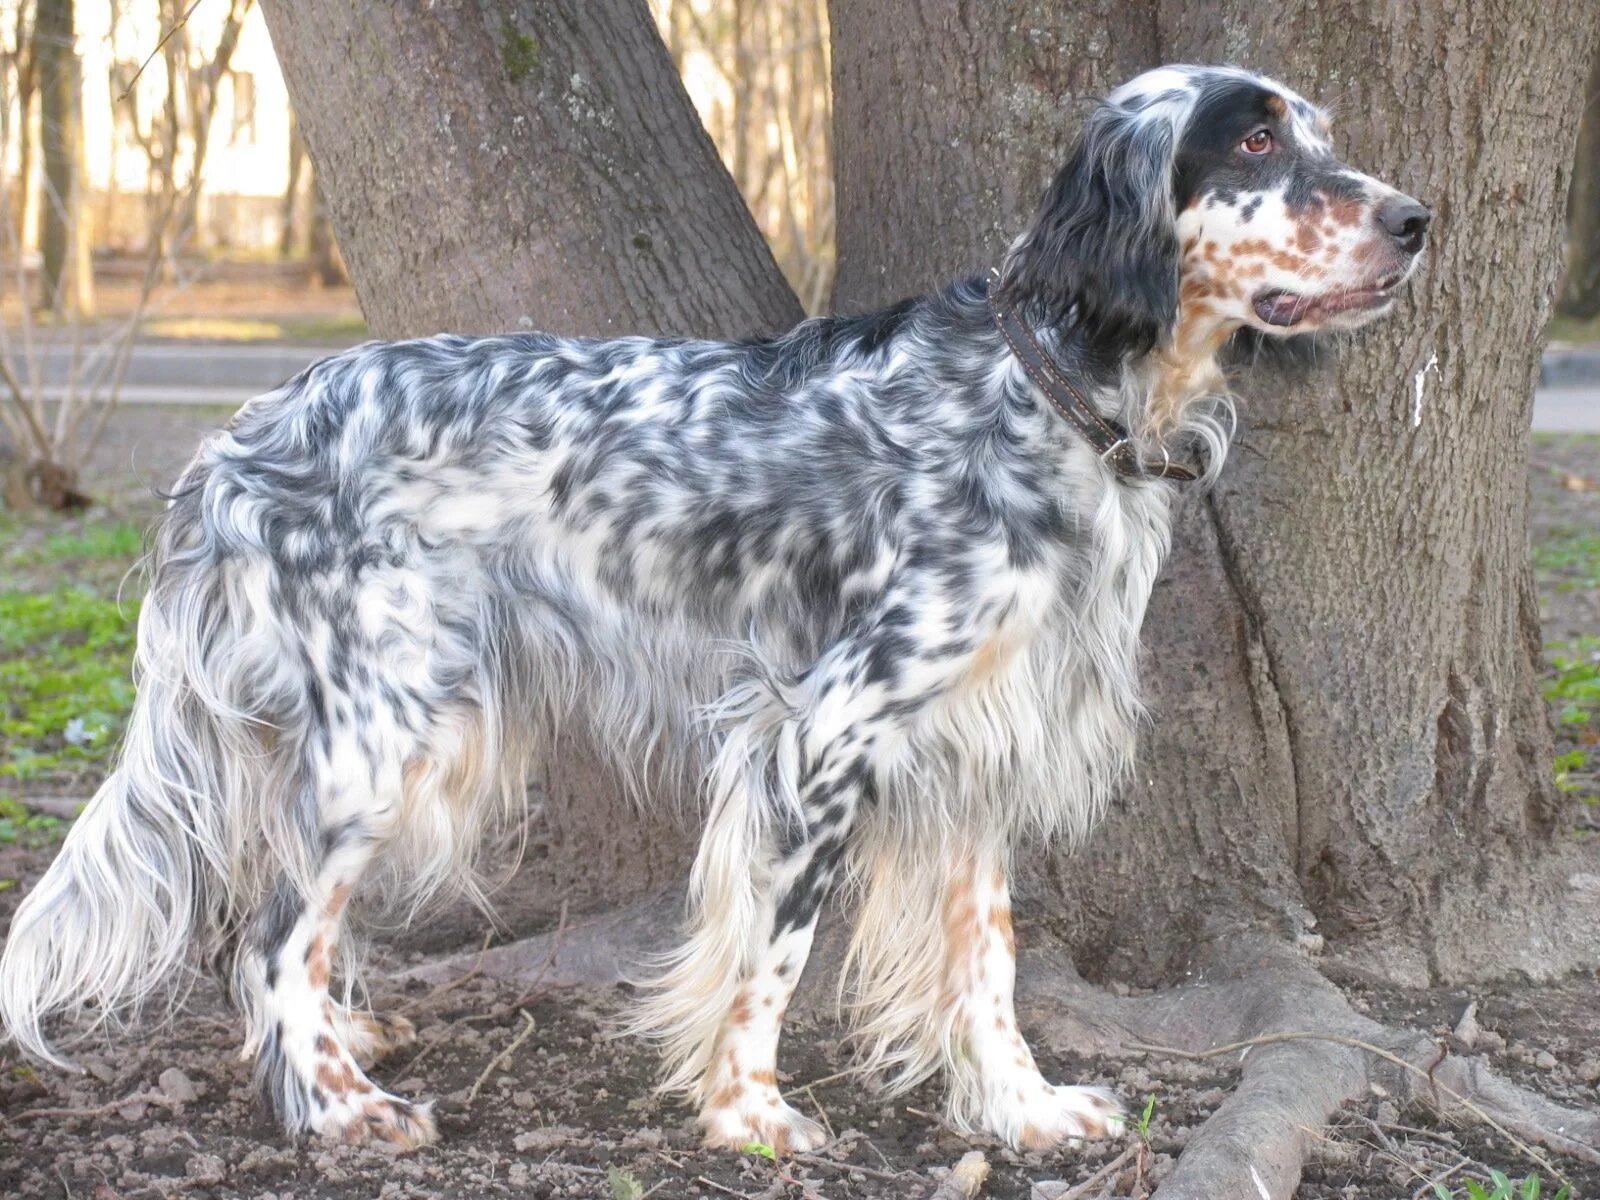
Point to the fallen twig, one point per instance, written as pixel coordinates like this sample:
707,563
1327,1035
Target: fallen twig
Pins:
815,1083
99,1110
817,1160
717,1187
1430,1186
823,1113
503,1056
1078,1191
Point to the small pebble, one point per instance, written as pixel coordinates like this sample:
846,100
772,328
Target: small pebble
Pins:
177,1087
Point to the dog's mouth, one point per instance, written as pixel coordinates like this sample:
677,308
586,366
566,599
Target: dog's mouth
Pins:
1278,306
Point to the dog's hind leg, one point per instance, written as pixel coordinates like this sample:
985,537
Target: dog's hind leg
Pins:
306,1045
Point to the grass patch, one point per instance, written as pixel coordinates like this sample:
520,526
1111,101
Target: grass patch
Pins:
21,827
1500,1186
42,551
1570,329
1573,691
66,652
1569,559
119,540
65,658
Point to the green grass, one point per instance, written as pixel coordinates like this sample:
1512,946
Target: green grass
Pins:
66,652
1573,691
1500,1186
1570,329
121,541
65,686
19,826
1571,555
334,328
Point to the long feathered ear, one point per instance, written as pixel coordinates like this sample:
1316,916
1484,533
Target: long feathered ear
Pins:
1102,250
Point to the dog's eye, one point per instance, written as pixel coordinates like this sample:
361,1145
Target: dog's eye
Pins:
1258,142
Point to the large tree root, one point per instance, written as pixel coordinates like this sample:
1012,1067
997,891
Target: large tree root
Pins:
1302,1050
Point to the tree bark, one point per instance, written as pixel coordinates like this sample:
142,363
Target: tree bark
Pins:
566,185
1348,739
561,181
1580,289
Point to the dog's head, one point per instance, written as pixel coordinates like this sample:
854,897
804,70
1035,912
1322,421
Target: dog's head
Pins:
1217,190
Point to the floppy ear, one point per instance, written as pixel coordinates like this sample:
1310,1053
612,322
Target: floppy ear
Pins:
1102,251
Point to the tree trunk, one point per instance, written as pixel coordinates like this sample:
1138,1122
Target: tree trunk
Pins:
1348,737
1580,289
65,280
570,187
561,182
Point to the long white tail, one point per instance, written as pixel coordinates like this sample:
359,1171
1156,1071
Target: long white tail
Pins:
147,880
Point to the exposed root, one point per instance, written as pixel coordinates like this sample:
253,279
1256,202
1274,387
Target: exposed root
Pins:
1303,1053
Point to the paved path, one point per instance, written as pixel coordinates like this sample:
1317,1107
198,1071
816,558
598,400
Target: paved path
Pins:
1567,410
178,373
229,368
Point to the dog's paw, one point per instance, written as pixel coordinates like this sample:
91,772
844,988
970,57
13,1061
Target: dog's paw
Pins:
760,1116
1051,1115
379,1117
370,1036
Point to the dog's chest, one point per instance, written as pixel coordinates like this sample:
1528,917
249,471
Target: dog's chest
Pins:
1045,717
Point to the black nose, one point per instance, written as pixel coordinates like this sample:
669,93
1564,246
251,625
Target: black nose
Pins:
1405,221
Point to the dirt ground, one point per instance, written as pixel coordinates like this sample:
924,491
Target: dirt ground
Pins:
567,1111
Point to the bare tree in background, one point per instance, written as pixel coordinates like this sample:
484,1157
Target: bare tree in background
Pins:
289,213
176,136
1351,757
55,426
1580,289
66,277
23,83
759,74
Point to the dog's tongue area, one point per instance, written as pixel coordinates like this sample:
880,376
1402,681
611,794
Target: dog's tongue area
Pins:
1278,307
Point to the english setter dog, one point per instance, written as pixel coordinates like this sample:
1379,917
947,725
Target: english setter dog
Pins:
877,581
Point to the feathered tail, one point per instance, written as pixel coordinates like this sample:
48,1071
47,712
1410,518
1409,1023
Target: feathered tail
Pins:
146,882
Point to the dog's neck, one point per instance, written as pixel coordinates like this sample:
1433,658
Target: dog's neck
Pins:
1184,368
1155,395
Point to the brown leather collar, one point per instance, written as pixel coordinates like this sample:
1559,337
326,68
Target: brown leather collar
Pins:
1110,440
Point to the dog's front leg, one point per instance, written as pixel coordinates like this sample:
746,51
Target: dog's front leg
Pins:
994,1083
836,743
795,776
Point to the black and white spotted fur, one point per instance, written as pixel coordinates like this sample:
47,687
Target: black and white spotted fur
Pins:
858,578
